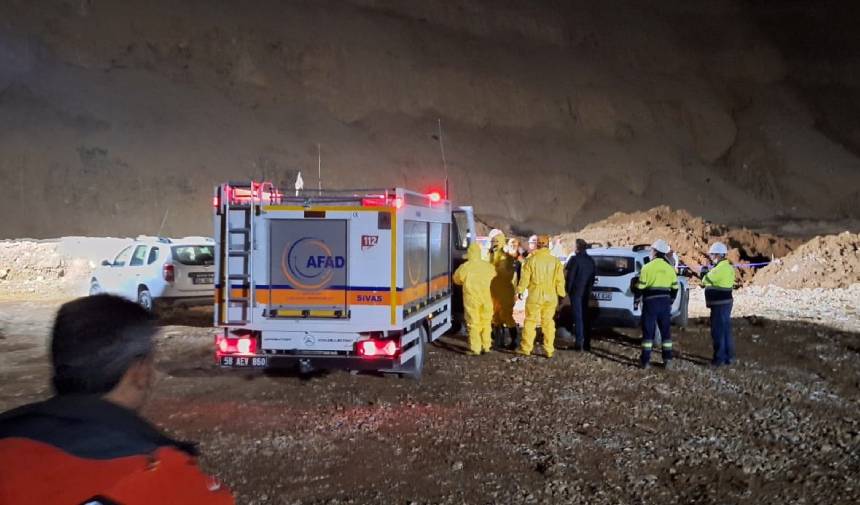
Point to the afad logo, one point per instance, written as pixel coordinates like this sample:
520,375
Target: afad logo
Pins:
308,263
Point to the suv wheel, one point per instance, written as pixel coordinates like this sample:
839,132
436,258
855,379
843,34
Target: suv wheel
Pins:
144,298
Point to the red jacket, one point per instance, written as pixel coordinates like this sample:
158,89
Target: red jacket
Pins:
73,450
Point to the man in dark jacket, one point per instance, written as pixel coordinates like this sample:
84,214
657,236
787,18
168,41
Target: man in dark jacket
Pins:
579,274
88,444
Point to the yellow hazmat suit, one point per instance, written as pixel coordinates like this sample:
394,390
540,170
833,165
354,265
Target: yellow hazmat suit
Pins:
543,277
503,287
475,275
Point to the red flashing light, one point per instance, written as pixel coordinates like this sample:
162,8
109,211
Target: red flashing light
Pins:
435,197
168,271
215,202
374,348
397,203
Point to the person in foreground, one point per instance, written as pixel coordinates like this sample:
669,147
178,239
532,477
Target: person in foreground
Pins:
543,277
476,275
658,285
579,275
88,444
719,283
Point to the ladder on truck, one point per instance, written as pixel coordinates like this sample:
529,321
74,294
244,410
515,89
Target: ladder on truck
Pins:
241,203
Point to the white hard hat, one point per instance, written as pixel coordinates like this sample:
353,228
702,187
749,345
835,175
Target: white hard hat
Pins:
493,233
661,246
719,248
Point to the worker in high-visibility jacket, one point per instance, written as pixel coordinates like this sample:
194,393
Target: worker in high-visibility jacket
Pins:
719,283
475,275
503,291
543,276
658,286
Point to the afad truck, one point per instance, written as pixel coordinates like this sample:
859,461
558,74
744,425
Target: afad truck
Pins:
353,279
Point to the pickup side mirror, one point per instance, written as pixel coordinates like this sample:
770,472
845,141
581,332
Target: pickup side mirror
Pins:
106,263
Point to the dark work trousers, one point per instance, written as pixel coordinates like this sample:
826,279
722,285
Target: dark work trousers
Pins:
656,312
581,319
721,334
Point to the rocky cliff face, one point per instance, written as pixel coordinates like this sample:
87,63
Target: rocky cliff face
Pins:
116,117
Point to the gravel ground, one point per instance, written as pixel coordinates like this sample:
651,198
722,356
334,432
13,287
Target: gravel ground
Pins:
782,426
837,308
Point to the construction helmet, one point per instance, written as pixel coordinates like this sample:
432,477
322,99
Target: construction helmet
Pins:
543,241
661,246
719,248
493,233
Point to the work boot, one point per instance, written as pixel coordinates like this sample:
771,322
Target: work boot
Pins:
668,365
514,334
644,365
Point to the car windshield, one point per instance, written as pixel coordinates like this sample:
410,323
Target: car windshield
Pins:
194,254
613,266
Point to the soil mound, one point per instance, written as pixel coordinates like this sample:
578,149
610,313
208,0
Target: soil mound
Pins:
831,261
688,235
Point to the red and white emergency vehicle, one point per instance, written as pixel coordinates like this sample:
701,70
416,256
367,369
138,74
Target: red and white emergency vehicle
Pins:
353,279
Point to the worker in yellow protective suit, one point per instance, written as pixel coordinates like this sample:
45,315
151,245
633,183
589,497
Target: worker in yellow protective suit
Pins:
475,275
543,276
503,290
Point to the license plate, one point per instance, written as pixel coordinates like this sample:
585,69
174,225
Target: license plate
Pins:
203,278
604,296
244,361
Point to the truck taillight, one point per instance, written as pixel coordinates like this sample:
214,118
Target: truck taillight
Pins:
168,271
229,344
374,348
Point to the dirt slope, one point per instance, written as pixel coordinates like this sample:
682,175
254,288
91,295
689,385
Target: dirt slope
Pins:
121,116
832,261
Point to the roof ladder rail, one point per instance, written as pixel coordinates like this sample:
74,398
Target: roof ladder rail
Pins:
239,224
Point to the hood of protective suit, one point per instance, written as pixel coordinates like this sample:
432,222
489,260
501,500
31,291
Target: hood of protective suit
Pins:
499,241
473,252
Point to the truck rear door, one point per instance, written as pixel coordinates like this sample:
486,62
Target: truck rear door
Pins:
308,270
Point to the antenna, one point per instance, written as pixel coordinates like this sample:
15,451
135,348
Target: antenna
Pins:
444,162
163,221
319,170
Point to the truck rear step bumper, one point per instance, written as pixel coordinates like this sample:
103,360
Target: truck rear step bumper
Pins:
283,361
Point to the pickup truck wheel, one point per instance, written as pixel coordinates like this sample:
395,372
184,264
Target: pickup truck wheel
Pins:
414,368
144,298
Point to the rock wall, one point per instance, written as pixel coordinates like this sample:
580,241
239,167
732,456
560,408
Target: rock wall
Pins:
119,117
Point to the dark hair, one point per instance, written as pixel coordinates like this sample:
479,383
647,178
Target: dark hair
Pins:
581,245
95,340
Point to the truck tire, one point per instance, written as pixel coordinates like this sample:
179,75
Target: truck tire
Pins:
415,367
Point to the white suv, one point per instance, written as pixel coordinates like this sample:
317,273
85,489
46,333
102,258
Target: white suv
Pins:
612,297
160,272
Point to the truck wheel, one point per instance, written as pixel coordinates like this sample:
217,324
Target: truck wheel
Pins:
144,298
414,368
